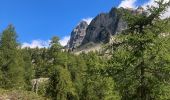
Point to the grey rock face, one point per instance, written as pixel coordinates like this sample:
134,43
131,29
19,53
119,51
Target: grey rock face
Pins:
77,35
104,26
101,28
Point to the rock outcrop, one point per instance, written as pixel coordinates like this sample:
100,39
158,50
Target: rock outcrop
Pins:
77,35
101,29
36,83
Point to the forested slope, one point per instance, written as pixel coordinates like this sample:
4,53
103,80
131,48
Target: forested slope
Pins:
135,66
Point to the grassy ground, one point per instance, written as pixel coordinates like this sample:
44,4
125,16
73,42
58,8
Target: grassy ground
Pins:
19,95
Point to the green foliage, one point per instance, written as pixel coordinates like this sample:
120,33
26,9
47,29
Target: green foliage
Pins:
42,88
55,45
137,69
60,84
19,95
28,68
96,85
40,58
12,66
140,62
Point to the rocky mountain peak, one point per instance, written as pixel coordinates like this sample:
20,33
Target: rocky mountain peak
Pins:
82,25
101,28
77,35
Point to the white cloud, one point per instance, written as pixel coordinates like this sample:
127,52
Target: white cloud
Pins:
152,3
131,4
166,14
149,3
127,4
44,44
64,40
36,43
88,20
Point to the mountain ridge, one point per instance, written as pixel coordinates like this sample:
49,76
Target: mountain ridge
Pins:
101,29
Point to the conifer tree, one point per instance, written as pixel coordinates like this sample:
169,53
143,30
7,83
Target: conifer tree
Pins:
28,68
12,66
97,86
60,84
140,62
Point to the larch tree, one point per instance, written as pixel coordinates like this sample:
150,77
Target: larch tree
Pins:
97,86
12,66
140,62
60,84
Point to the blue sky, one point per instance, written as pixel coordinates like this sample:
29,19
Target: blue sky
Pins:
43,19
